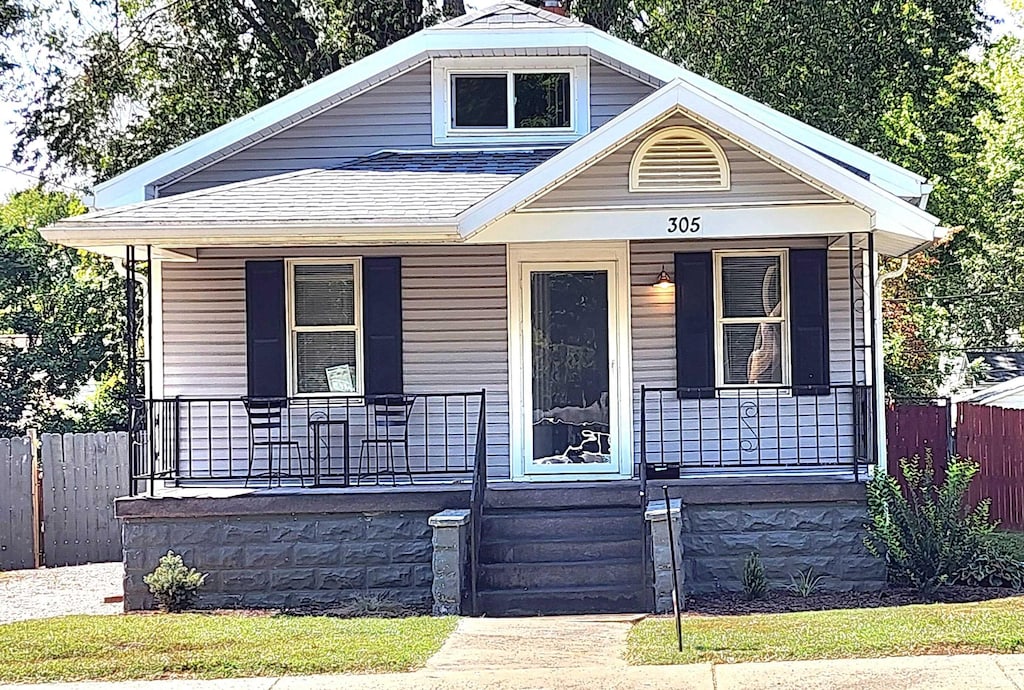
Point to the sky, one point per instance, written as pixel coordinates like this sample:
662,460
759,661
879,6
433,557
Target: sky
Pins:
12,180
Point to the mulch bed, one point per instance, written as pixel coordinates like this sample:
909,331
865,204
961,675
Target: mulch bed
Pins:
783,602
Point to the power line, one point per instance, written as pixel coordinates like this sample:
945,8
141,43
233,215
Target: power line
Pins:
41,179
944,298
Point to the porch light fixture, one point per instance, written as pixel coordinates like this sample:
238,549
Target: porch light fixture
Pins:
664,280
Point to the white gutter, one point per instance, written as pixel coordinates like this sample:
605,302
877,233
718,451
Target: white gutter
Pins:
879,364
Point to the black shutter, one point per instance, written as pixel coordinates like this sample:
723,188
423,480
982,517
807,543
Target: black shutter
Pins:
382,325
695,328
808,313
265,329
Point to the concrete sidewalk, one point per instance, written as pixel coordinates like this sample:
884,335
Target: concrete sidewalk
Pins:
974,672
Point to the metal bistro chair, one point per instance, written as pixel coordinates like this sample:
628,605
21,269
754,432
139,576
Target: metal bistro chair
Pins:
391,415
265,431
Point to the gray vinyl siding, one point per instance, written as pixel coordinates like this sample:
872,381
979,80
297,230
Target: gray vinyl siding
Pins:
393,115
454,339
784,430
606,183
612,93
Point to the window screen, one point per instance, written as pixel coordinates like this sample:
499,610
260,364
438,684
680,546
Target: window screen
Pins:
480,101
751,324
325,334
542,100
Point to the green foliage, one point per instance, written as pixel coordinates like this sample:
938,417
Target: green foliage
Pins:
993,567
11,15
755,580
173,584
117,83
928,535
60,316
805,582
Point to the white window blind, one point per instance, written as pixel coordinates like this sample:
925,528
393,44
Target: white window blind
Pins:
324,323
752,333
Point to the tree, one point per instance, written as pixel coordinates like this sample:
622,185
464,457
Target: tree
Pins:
160,73
60,311
11,14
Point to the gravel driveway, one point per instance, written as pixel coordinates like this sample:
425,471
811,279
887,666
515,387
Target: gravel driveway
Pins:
49,592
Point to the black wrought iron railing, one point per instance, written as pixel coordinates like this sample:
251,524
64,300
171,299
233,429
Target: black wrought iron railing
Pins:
768,427
309,441
476,506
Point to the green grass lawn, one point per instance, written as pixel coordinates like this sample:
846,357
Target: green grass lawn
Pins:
212,646
990,626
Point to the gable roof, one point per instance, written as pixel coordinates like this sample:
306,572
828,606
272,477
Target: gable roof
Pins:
436,185
511,26
911,225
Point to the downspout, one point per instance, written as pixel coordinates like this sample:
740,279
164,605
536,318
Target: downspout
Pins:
879,355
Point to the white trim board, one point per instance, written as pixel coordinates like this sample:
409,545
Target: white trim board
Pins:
132,185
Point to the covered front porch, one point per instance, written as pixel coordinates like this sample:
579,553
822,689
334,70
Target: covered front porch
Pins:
496,383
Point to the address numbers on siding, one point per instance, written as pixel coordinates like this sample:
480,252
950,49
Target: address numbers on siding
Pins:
684,224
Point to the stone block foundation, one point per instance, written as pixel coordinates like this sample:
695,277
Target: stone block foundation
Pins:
299,553
792,527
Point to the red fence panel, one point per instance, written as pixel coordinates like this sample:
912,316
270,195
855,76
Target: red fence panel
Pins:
914,429
993,437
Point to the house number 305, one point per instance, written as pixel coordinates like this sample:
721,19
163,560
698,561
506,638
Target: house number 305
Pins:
684,224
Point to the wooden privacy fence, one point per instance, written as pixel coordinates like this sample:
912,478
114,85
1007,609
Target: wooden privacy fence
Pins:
993,437
57,494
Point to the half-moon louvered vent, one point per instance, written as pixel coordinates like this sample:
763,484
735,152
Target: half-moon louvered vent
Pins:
678,159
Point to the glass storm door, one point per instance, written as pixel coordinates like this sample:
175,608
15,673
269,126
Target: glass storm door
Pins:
568,361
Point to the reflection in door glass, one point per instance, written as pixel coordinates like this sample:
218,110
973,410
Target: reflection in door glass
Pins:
569,316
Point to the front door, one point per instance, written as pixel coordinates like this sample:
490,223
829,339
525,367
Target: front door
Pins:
570,422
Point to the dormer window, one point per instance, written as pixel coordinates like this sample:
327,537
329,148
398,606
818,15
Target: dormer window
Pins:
486,100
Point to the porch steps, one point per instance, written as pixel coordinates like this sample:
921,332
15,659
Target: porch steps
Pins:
555,551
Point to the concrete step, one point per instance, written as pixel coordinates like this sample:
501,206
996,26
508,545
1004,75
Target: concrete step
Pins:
558,525
625,574
561,495
517,551
561,600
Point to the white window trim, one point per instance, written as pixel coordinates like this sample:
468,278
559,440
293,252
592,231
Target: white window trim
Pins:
721,320
443,70
293,330
694,133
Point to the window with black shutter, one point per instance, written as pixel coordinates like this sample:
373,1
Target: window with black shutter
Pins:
324,326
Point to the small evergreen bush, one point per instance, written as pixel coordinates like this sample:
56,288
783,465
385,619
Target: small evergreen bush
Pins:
755,581
173,584
929,536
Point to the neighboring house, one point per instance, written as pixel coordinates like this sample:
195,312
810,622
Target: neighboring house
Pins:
999,382
517,269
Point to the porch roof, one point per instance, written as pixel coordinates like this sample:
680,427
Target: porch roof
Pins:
427,188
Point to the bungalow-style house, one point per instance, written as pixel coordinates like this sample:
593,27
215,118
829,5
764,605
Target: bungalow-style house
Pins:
444,324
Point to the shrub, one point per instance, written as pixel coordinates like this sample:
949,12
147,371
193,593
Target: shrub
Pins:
995,566
804,583
755,581
173,584
929,535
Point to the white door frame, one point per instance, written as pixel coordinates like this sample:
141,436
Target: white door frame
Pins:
613,257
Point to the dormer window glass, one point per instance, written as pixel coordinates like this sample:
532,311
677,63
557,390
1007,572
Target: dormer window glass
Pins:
511,101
